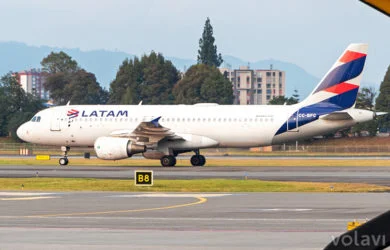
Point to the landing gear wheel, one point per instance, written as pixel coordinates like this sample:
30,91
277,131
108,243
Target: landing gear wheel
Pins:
63,161
198,160
168,161
202,160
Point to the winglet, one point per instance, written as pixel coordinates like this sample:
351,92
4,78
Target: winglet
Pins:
155,121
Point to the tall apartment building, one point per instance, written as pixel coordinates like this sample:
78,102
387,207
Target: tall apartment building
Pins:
255,86
32,82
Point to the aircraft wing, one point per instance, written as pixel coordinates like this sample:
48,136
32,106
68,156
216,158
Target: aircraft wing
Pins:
148,133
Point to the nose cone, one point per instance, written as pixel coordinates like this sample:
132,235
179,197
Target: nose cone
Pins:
21,132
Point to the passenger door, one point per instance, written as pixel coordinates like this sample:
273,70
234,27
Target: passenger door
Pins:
292,122
55,123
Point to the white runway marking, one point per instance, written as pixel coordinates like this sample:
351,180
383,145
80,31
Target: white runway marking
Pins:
344,220
163,195
281,209
27,198
23,194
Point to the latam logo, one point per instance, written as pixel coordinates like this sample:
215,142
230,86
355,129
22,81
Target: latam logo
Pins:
73,113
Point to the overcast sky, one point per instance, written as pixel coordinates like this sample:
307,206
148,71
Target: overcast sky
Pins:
310,33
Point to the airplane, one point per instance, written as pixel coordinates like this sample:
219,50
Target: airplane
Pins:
165,131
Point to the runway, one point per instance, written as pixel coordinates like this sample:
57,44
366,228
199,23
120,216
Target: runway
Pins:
98,220
372,175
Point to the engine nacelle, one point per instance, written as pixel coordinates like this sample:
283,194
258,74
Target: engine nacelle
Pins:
115,148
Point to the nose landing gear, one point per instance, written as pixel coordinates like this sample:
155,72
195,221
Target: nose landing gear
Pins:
64,159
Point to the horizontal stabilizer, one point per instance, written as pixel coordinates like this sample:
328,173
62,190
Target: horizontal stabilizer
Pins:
337,116
380,113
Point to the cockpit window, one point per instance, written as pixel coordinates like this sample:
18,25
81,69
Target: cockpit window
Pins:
36,119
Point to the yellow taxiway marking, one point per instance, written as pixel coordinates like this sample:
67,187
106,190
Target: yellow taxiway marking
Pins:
200,201
27,198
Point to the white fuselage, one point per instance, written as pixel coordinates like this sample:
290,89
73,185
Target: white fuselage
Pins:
227,125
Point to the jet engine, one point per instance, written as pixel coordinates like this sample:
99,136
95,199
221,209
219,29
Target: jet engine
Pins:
115,148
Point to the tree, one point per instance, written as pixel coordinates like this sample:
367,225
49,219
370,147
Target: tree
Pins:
203,83
365,100
294,98
150,80
66,81
281,100
84,89
278,100
59,62
383,101
207,53
16,107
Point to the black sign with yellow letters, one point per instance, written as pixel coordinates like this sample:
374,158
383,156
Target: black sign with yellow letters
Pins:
143,177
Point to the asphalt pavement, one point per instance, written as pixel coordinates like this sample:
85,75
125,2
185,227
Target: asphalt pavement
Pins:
105,220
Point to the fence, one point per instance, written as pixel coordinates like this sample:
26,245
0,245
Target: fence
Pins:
32,149
333,148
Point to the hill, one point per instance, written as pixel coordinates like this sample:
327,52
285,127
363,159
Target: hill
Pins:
104,64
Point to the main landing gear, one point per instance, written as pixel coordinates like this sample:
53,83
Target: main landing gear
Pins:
168,161
196,160
64,159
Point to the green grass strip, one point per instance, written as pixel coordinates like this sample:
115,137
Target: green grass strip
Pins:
203,185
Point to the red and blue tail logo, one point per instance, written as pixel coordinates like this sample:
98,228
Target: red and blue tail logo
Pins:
73,113
336,91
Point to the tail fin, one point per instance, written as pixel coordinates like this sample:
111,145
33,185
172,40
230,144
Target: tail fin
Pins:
339,87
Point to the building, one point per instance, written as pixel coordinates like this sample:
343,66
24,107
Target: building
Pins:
255,86
32,82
